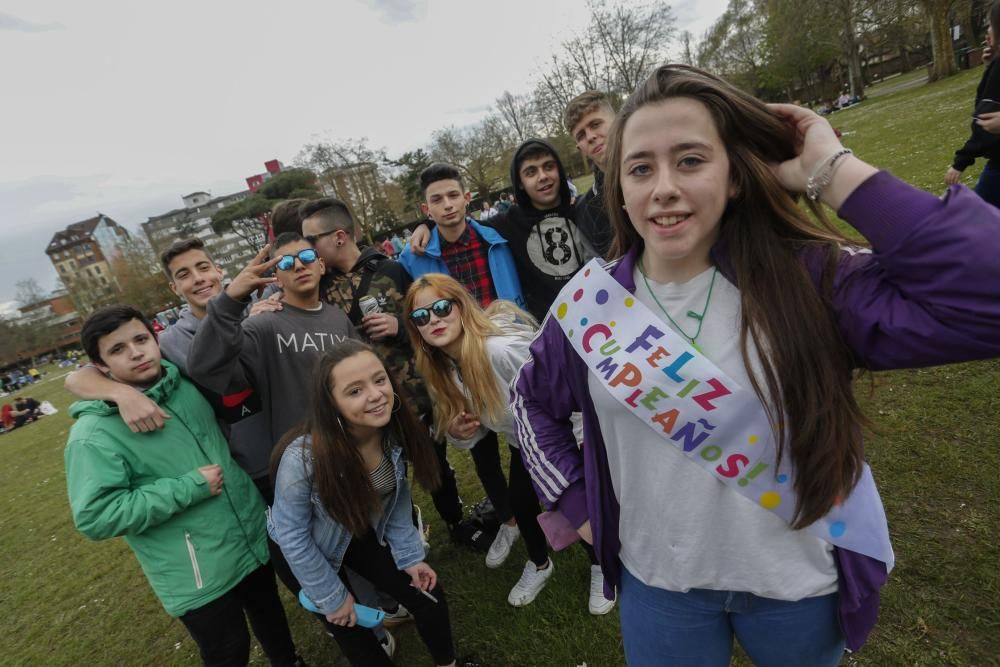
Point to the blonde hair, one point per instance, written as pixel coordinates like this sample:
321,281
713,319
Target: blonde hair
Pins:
435,366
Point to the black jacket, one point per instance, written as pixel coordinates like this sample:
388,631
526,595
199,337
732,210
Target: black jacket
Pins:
982,143
548,246
592,216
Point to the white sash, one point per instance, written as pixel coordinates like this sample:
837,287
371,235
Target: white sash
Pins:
689,402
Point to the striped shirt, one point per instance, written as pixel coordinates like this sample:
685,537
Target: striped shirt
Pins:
383,477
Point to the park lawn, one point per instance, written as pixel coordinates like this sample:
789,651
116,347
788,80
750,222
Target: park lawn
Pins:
932,448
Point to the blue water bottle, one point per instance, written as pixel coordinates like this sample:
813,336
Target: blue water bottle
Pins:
367,617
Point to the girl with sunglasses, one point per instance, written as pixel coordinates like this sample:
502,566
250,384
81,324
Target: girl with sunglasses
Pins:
468,357
341,498
723,481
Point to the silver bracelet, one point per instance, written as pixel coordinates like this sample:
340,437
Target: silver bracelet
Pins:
823,174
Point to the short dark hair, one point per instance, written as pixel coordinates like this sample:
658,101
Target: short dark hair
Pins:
534,150
104,322
285,217
439,171
583,104
332,212
285,239
178,248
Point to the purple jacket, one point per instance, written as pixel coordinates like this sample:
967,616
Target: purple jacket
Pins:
925,295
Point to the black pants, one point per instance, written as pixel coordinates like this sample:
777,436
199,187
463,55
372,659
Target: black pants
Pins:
220,630
514,499
445,497
278,562
374,562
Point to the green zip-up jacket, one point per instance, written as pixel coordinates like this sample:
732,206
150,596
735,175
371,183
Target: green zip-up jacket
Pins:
193,547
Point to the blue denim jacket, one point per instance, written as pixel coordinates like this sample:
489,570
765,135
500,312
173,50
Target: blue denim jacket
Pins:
314,544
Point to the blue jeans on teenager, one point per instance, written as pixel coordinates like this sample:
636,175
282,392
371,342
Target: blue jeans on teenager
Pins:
988,186
696,629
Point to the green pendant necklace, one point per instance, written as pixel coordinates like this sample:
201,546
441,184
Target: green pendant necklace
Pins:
700,317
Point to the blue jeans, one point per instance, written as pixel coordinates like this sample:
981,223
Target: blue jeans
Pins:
695,629
988,186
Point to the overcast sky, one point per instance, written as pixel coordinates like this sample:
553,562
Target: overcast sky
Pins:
122,107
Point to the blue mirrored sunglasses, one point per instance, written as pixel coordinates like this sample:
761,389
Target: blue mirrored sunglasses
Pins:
306,256
422,316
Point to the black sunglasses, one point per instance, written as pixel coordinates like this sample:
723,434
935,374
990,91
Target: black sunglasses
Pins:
312,238
422,316
306,256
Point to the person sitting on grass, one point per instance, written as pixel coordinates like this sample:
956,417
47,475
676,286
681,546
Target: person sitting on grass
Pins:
192,517
341,499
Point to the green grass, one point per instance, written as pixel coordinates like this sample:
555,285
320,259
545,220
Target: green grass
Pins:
933,450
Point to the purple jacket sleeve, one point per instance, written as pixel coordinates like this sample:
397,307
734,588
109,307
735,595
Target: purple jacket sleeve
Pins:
542,402
926,294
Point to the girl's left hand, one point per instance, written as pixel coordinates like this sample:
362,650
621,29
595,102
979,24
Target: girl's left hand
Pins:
952,176
422,576
815,141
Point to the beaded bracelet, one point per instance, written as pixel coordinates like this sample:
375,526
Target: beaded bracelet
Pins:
823,174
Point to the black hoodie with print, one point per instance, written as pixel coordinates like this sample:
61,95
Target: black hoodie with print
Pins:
548,246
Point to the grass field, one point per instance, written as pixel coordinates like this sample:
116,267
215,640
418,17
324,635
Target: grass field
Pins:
933,450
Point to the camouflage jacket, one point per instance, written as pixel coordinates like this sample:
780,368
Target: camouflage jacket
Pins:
387,282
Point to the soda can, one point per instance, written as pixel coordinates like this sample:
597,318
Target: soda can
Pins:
368,305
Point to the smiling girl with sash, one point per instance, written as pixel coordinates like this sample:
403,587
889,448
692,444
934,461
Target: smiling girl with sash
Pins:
722,480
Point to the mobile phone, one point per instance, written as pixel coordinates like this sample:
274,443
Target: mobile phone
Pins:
986,106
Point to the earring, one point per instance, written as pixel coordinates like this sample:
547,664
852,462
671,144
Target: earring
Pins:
397,403
623,205
343,430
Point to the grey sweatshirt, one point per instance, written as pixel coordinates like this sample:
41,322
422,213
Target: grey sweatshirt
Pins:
273,353
239,413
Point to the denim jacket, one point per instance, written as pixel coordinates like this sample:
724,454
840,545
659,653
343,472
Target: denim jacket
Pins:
314,544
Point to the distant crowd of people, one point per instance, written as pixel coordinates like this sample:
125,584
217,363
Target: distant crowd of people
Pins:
668,358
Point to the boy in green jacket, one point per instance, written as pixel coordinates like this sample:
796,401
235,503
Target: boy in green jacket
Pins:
193,518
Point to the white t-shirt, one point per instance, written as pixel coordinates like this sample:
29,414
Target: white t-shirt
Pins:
680,528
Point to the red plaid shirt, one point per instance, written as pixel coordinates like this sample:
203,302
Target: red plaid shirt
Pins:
468,263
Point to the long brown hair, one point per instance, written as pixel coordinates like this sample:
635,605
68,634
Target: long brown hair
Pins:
435,366
807,365
339,472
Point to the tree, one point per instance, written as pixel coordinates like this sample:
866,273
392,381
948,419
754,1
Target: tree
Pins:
353,172
29,291
246,218
476,156
140,278
735,46
409,165
687,48
514,120
937,13
619,48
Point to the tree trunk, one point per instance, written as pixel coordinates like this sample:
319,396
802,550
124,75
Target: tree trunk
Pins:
941,46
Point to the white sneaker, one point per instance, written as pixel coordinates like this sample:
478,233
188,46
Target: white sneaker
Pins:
389,644
502,543
598,605
530,584
401,615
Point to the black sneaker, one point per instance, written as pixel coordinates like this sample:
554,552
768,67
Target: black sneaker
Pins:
473,535
470,661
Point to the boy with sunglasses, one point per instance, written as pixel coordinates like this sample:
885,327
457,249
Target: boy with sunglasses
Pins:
273,352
